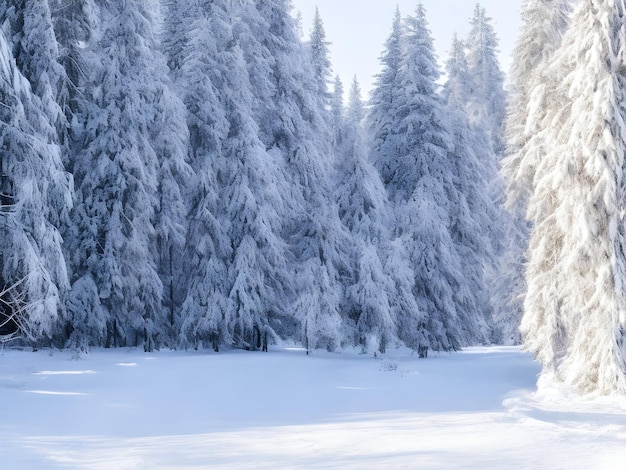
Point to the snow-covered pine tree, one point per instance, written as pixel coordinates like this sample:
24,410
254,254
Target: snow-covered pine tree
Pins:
74,24
475,217
544,22
293,128
35,48
575,307
34,190
169,137
423,187
29,26
117,294
485,107
320,57
248,245
487,99
380,257
356,108
251,208
457,88
363,210
381,119
337,111
414,154
203,314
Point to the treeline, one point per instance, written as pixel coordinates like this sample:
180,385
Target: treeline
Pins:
181,174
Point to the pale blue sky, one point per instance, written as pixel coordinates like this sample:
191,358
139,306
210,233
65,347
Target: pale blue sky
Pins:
358,29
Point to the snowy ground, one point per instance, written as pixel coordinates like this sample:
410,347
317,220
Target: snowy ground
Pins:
124,409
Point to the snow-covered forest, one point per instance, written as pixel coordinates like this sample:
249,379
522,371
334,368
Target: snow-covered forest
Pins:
190,175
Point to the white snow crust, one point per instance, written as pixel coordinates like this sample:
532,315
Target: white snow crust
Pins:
477,409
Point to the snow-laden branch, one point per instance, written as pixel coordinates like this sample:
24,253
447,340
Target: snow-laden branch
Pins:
13,305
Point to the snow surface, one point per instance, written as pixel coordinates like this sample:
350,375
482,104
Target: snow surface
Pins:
124,409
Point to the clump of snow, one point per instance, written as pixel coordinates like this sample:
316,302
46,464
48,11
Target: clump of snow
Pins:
473,409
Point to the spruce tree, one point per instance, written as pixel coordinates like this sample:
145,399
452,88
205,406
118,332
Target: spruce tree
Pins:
575,304
241,228
75,23
169,137
117,292
320,57
544,22
476,218
29,25
207,247
337,111
383,102
363,207
413,156
34,191
487,100
36,51
356,109
178,17
293,127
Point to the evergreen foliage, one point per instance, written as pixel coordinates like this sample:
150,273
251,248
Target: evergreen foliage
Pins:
487,100
432,190
363,209
381,118
320,56
245,239
224,197
118,175
574,307
476,218
301,138
532,94
337,111
34,191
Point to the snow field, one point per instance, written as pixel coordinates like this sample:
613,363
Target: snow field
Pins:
124,409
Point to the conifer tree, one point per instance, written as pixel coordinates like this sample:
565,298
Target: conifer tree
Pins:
363,210
36,51
294,130
337,111
544,23
205,302
575,305
458,84
413,155
241,228
475,217
34,190
169,136
117,292
320,57
356,109
75,23
485,107
487,100
383,101
178,17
